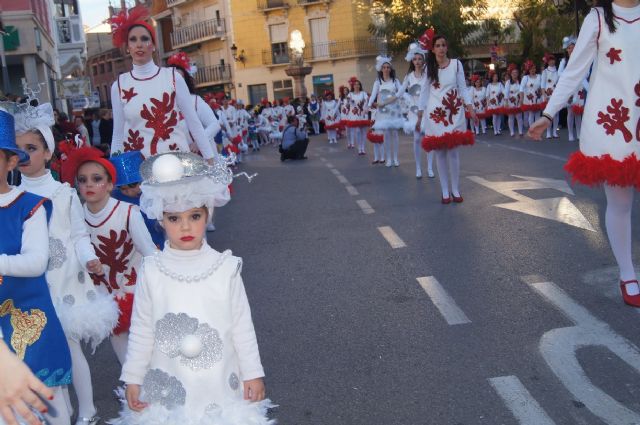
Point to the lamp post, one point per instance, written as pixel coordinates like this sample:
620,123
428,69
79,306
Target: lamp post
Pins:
296,69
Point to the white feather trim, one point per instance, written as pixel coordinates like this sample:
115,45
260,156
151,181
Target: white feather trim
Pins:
233,412
389,124
91,321
410,124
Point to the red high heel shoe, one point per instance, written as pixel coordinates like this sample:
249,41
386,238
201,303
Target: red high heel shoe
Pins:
632,300
458,199
446,200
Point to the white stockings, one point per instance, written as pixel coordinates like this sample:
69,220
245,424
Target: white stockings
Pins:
449,166
573,122
511,120
618,223
417,153
391,144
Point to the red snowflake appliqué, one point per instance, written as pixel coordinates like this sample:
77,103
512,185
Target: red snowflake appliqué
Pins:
436,85
162,118
114,252
173,147
614,55
134,141
127,95
439,115
615,119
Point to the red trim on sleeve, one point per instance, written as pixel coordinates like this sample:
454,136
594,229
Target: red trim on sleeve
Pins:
599,29
34,209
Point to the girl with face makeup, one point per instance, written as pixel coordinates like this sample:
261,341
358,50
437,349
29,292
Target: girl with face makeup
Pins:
149,100
610,135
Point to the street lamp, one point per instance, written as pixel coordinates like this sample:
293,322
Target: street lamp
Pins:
296,45
296,69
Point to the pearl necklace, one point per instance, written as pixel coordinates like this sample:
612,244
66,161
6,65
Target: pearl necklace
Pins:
191,278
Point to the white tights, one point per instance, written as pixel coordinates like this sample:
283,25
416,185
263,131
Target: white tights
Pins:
417,153
553,127
391,144
531,117
573,120
497,123
351,135
511,119
618,223
331,134
81,381
448,165
378,151
119,343
316,127
361,138
481,124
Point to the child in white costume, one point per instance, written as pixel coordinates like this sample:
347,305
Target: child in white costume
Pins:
193,356
85,312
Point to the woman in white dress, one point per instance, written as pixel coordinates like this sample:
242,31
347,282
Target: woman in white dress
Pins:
575,105
479,97
357,119
530,93
495,94
330,112
549,78
513,107
389,117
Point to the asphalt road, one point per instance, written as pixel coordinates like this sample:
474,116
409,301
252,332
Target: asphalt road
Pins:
515,319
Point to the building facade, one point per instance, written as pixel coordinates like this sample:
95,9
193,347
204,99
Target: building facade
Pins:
338,45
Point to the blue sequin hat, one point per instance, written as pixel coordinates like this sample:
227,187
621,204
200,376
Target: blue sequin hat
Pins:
8,136
127,168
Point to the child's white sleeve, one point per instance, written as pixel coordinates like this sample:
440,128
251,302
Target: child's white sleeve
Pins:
140,234
243,333
141,334
34,253
79,235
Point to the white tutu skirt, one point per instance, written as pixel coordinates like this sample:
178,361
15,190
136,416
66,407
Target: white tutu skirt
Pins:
410,124
383,123
92,320
233,412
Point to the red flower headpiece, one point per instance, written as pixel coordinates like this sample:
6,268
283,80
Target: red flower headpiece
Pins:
181,60
264,101
528,64
214,105
352,81
232,102
511,67
474,78
79,156
548,56
123,21
328,93
426,39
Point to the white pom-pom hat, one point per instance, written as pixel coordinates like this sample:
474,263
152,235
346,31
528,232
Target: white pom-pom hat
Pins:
381,60
568,41
415,49
179,181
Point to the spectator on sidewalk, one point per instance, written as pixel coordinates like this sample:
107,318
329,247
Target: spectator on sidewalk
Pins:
294,140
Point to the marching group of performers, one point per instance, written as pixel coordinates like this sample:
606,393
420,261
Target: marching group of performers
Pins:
130,263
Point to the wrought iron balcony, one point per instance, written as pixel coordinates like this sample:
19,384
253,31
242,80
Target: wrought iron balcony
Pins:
331,50
69,29
171,3
196,33
265,5
209,75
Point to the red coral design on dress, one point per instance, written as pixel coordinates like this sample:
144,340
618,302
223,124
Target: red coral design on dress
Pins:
127,95
439,115
452,103
158,120
173,147
114,251
615,119
436,85
134,142
614,55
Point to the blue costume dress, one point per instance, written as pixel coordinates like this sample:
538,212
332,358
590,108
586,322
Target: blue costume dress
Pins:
28,320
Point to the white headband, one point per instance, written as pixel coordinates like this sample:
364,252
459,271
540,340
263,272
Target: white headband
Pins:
381,60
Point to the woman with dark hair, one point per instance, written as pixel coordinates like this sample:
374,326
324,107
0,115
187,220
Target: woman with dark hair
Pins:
343,93
610,135
549,79
412,86
512,106
330,112
357,119
479,99
388,115
441,115
530,93
180,61
575,105
495,93
148,100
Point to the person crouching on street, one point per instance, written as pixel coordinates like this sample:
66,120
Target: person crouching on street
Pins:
294,140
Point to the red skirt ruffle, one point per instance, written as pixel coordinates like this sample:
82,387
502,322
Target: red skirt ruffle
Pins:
512,111
495,111
593,171
533,108
332,126
376,138
357,123
448,140
577,109
125,304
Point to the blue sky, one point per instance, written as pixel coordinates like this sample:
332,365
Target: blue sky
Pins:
94,11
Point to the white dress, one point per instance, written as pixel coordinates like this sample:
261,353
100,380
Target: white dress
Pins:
331,114
531,88
479,96
357,110
549,79
410,93
610,133
512,98
85,312
495,94
192,343
388,117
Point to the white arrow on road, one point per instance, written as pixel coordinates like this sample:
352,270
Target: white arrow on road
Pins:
557,209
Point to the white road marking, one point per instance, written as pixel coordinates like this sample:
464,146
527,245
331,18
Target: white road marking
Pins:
557,209
392,237
559,346
443,301
323,159
352,190
328,164
545,155
364,206
523,406
342,179
335,171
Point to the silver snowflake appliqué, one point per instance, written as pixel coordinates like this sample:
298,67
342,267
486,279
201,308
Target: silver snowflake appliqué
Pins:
57,254
197,345
160,387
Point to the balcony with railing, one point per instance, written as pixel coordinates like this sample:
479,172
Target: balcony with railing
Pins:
172,3
197,33
330,50
210,75
69,29
266,5
312,2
